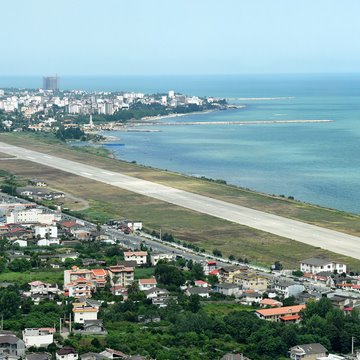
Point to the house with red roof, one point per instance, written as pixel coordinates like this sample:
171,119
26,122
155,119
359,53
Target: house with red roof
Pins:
146,284
284,314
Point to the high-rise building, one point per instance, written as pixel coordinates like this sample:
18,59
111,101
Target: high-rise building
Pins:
50,83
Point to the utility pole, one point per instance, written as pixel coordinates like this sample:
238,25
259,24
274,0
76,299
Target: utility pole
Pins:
160,234
70,323
60,326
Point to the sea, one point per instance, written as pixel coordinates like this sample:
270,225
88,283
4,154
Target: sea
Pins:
318,163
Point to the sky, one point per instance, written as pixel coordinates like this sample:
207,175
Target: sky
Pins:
163,37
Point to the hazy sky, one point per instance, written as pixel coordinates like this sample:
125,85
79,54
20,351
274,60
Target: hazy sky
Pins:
103,37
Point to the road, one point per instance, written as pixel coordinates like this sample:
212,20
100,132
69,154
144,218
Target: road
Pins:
335,241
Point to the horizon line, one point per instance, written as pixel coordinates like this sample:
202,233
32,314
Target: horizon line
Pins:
188,74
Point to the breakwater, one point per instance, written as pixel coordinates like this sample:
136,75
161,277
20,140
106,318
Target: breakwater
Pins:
256,122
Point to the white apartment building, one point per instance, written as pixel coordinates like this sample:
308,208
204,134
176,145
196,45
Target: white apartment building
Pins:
76,273
315,266
138,256
46,231
83,311
41,337
31,216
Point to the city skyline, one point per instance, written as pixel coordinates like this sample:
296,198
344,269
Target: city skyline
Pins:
159,38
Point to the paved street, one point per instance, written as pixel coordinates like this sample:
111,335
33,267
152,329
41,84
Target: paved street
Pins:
313,235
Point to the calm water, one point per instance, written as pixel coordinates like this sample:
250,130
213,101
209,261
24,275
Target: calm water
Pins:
316,163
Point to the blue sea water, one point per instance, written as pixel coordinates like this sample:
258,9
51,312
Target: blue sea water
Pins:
315,162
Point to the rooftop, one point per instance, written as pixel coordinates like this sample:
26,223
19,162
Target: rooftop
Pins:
281,310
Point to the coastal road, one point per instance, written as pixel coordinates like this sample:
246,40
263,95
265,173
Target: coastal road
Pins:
335,241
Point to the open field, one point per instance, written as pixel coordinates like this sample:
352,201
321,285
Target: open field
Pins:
52,276
208,232
329,218
223,308
143,273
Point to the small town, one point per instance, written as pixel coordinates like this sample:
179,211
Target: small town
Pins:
80,280
180,180
47,109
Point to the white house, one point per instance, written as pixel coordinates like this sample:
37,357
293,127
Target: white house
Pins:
21,242
315,266
138,256
48,242
84,311
40,290
146,284
41,337
227,289
155,257
288,288
50,231
67,353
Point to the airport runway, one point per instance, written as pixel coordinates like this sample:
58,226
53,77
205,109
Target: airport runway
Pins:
309,234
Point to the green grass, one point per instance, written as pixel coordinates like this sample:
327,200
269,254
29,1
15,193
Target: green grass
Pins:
51,276
221,309
143,273
205,231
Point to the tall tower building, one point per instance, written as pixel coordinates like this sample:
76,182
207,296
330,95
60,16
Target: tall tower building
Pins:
50,83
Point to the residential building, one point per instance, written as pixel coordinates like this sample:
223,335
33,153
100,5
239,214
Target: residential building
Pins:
41,337
200,291
65,256
146,284
156,293
43,232
99,277
270,303
139,256
201,283
50,83
67,353
231,356
121,275
285,314
48,242
11,347
32,216
79,288
288,288
76,273
251,281
227,289
155,257
41,291
38,356
94,327
250,297
209,266
84,311
228,273
307,352
315,266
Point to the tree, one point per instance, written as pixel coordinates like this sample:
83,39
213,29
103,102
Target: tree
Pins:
217,252
194,303
20,265
169,275
9,302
